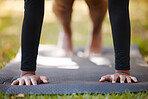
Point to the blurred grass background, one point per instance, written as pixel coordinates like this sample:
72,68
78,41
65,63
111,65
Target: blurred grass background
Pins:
11,17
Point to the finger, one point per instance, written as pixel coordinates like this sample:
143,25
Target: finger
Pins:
128,78
27,81
122,78
114,78
21,82
44,79
105,78
33,81
134,79
102,79
15,82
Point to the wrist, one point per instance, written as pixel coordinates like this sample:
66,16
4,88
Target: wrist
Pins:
123,71
27,73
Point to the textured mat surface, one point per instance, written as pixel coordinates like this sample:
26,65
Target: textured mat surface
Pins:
75,74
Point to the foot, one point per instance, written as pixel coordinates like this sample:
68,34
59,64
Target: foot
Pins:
95,47
64,47
93,51
64,53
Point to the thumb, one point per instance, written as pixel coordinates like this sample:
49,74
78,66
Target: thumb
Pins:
44,79
105,78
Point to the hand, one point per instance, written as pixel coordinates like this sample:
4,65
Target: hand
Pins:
122,75
29,78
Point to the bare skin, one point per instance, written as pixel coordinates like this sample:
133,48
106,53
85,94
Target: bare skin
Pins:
97,10
122,75
63,11
29,78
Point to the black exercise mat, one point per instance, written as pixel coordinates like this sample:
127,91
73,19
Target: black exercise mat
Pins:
76,74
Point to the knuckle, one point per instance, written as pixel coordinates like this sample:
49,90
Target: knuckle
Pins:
127,77
112,76
103,77
134,77
18,78
26,80
33,78
20,81
23,77
14,81
46,77
120,76
117,76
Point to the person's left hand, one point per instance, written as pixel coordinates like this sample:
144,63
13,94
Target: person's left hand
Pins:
122,75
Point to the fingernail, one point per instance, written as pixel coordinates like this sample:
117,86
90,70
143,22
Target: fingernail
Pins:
122,81
129,82
46,80
113,82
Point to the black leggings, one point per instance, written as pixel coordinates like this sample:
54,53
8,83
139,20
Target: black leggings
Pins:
32,24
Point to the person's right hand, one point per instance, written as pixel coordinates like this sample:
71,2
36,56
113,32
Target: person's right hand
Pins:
30,79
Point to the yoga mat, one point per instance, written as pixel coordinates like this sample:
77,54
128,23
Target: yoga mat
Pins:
76,74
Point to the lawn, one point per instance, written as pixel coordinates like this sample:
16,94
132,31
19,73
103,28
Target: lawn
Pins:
11,17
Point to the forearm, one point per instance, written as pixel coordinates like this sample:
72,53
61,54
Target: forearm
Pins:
120,23
31,30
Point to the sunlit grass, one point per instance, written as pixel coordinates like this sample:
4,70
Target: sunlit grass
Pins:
126,95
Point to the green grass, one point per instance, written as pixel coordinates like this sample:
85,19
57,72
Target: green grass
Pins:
126,95
10,29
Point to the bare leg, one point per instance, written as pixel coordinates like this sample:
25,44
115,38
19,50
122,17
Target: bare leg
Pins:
98,9
63,11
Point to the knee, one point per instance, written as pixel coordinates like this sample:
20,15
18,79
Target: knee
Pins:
93,4
61,6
